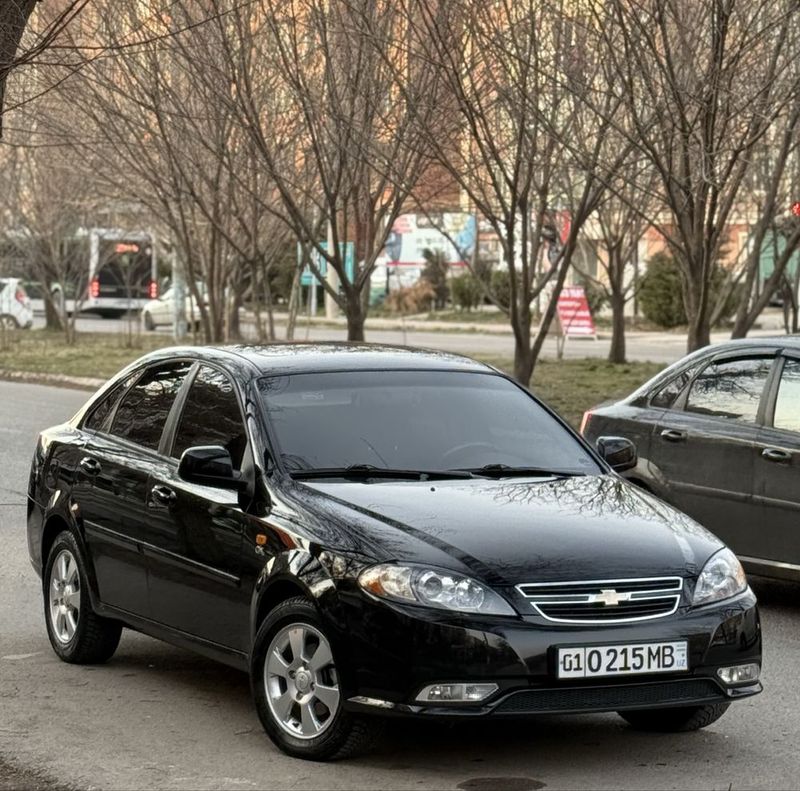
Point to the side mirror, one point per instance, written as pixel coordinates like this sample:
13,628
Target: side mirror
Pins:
210,465
619,452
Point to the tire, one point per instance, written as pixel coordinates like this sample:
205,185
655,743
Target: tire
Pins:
149,324
681,720
341,734
9,322
78,635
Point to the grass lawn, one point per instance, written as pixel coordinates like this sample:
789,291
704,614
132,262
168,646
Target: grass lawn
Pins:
571,386
97,355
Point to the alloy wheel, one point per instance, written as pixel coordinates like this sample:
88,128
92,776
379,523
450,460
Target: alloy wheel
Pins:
64,596
300,681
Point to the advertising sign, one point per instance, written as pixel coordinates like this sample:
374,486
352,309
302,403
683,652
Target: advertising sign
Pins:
574,317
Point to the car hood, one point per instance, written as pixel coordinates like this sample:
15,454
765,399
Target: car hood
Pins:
513,531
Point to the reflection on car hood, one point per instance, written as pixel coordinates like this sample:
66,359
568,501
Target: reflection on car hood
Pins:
513,531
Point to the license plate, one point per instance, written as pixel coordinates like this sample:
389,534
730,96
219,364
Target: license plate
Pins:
622,660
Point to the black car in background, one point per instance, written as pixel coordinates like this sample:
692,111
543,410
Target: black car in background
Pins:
718,436
380,531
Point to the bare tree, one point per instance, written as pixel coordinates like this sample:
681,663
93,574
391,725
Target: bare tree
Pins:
343,72
159,137
530,142
626,210
18,50
772,185
702,83
45,206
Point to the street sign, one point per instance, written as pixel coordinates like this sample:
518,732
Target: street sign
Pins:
349,253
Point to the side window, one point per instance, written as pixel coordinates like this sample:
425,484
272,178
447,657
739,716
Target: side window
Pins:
143,411
668,394
787,405
211,416
97,419
730,389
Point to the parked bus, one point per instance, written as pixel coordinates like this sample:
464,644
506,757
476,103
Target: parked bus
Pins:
123,273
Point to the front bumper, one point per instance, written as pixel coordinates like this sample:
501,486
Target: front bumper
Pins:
394,651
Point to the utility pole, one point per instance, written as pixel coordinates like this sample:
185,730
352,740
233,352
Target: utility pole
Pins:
178,299
332,278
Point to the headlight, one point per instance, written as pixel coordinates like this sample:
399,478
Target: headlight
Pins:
432,588
721,578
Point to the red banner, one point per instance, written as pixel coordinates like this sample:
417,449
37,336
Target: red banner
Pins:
574,314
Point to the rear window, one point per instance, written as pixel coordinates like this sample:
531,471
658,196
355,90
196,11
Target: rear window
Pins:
98,417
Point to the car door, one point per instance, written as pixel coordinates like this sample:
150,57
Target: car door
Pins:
776,477
194,539
704,448
114,470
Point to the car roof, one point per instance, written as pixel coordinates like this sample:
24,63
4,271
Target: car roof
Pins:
293,358
773,341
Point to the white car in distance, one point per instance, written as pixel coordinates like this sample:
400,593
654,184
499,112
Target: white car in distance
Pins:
15,305
160,312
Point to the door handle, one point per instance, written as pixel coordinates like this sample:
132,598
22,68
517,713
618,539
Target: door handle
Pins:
90,466
776,455
673,435
163,495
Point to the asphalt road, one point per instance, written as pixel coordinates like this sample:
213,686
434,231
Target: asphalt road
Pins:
662,347
160,717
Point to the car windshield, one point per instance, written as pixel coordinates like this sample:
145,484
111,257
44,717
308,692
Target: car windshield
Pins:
416,420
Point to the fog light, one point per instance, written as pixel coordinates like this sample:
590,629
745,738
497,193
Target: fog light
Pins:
456,693
739,674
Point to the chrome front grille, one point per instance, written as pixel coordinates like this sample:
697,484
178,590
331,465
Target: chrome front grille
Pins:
604,601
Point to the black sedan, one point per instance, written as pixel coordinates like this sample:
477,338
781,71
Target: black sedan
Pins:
380,531
718,436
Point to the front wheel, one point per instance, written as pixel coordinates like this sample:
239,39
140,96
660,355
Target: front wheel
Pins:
296,687
77,634
691,718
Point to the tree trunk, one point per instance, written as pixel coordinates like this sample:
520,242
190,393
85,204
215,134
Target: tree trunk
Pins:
234,325
699,335
355,317
695,299
616,353
270,308
523,362
523,356
52,320
13,19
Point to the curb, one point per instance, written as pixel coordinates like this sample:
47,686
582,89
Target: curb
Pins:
53,380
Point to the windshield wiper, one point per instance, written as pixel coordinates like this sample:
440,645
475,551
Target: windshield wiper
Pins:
366,471
507,471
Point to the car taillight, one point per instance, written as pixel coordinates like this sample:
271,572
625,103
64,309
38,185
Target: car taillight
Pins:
94,288
21,296
587,416
153,290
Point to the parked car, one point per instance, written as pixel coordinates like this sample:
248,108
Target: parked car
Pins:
160,312
380,531
15,306
718,435
63,296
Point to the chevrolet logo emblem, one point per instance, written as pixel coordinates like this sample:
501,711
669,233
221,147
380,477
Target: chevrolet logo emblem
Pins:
610,598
